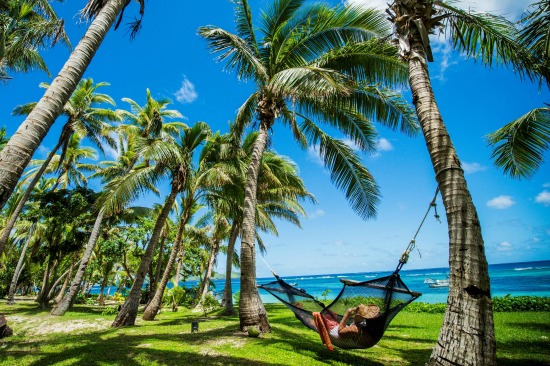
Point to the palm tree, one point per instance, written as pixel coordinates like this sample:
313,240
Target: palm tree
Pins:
84,118
213,164
25,27
19,150
281,190
147,122
519,146
467,334
172,160
313,64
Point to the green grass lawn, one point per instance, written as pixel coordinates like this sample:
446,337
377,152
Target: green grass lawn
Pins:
84,337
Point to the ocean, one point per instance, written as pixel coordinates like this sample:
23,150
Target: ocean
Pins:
515,279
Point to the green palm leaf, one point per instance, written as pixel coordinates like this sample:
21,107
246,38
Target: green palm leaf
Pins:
518,147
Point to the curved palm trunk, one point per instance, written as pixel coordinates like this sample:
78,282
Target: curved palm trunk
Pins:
467,335
154,284
208,273
65,276
227,290
154,306
17,273
50,273
59,296
251,309
19,208
128,312
69,297
101,297
18,151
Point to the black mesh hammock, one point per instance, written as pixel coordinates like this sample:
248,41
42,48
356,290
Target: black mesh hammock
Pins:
389,293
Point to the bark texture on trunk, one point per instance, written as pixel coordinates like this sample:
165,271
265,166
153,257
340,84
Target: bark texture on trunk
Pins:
227,290
19,208
208,273
128,312
19,150
69,297
59,296
251,309
467,335
18,270
154,306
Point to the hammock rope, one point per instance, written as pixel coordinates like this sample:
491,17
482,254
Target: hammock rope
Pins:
389,293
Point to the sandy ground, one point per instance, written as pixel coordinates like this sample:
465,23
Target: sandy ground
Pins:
47,324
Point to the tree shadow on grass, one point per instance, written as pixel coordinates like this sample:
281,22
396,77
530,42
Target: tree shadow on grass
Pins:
531,326
104,347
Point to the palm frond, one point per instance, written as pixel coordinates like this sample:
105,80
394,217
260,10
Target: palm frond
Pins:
235,51
519,146
489,38
347,172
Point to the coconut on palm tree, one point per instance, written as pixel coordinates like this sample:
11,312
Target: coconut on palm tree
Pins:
311,64
21,147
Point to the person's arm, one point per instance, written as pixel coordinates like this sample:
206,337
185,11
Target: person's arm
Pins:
343,328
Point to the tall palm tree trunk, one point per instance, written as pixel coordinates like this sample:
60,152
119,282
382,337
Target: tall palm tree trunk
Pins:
69,297
65,276
17,273
227,290
467,335
50,273
154,306
101,297
251,309
18,151
128,312
208,272
19,208
154,284
59,296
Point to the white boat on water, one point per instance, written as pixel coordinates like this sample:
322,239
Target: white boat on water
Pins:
436,283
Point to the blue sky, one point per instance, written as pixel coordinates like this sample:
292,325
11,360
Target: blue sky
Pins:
172,61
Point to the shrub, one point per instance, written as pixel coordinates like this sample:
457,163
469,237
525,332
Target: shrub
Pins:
423,307
521,303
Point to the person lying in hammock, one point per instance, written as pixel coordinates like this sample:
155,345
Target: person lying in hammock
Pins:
356,332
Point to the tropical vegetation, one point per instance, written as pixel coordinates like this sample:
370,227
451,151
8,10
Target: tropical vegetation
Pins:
70,224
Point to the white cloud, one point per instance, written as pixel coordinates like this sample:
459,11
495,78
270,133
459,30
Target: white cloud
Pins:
384,145
43,150
501,202
338,243
470,168
511,9
317,213
313,155
508,8
351,144
504,247
187,93
111,152
543,198
444,51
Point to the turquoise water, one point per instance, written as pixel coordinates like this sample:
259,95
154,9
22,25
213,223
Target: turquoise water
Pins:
516,279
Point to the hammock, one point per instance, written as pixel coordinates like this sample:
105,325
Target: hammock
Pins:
389,293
